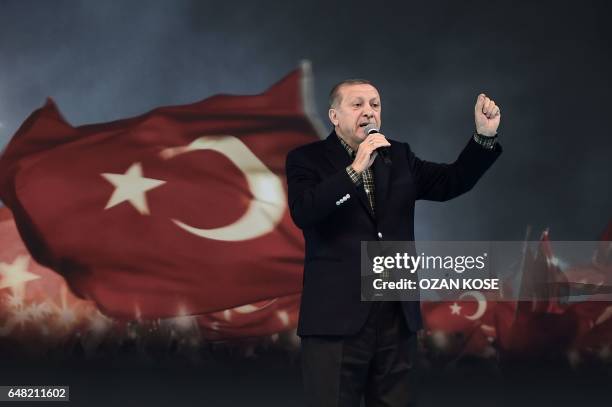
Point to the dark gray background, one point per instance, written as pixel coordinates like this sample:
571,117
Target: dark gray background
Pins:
546,64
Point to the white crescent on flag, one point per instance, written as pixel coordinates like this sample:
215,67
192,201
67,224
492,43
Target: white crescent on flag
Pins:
268,204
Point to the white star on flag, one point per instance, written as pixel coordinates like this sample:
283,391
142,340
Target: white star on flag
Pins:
16,275
455,309
131,187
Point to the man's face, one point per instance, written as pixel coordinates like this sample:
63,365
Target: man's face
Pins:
359,105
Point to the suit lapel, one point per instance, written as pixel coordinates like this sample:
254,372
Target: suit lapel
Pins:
335,153
339,159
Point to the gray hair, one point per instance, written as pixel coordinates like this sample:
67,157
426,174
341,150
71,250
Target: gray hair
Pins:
335,97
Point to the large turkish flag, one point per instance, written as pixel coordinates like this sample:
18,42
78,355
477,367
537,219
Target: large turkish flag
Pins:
179,211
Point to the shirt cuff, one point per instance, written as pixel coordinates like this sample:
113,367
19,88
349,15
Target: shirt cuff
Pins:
486,142
355,176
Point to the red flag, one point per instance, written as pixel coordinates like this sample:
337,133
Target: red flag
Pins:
182,209
468,325
542,280
34,301
39,312
258,319
549,327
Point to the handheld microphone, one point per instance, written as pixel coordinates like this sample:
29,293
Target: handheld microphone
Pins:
383,151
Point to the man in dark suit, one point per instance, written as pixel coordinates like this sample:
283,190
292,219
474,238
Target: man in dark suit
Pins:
340,194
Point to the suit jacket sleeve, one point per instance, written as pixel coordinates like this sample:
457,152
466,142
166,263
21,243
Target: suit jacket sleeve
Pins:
312,199
441,182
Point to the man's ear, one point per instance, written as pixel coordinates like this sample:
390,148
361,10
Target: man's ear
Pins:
333,116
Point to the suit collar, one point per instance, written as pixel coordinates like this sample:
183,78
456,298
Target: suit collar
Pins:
336,154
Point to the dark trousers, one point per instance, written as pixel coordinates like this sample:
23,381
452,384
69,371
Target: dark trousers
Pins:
378,363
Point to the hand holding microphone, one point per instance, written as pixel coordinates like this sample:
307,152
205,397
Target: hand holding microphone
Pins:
369,148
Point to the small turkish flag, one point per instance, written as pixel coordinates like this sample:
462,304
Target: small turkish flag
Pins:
180,210
258,319
470,322
34,301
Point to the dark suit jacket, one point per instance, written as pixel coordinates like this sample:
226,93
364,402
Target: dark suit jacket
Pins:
333,229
